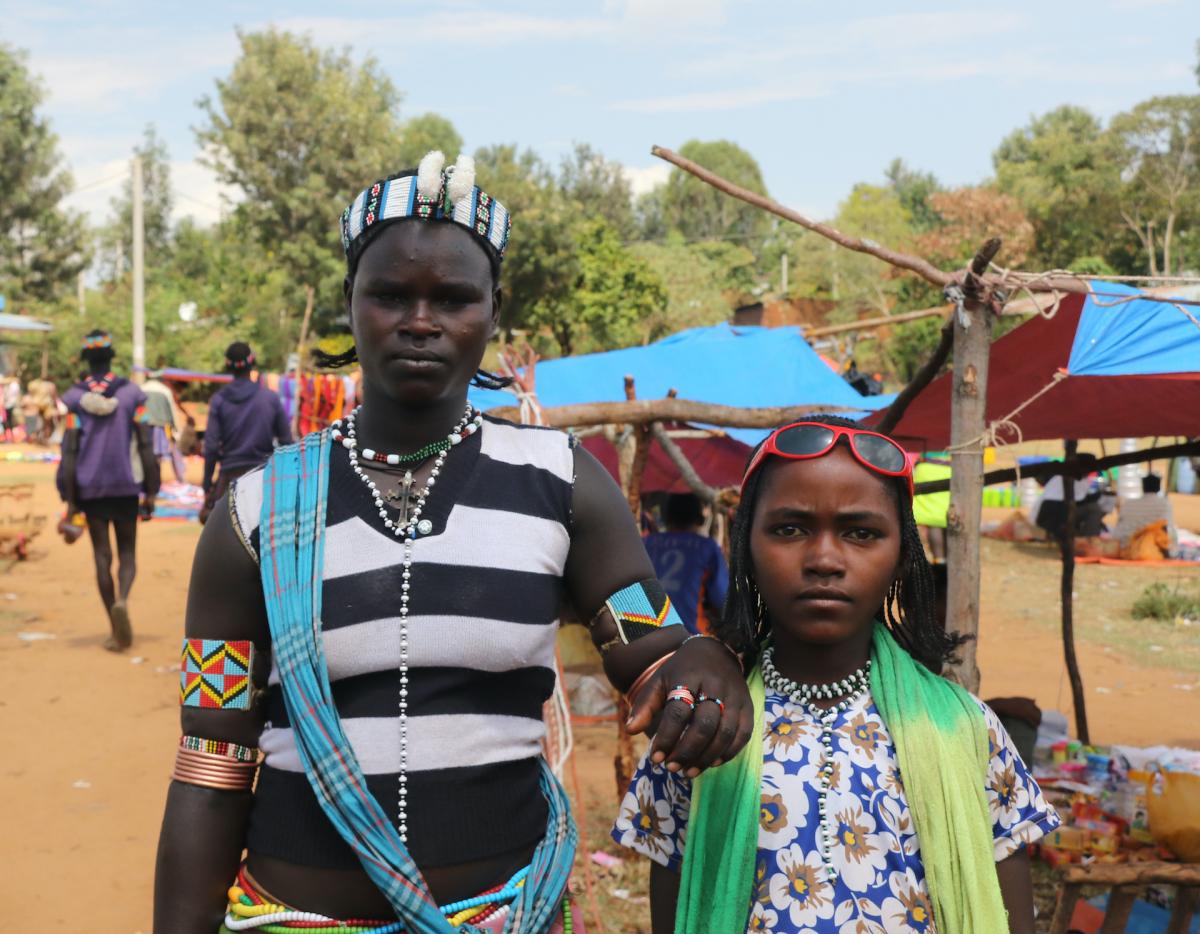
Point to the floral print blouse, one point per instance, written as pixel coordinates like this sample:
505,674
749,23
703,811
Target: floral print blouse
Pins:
879,887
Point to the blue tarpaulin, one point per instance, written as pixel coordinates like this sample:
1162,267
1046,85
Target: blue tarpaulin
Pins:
746,367
1119,335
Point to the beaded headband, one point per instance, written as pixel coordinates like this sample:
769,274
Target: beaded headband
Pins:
436,192
96,342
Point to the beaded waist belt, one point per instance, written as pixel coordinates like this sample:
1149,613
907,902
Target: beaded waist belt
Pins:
250,909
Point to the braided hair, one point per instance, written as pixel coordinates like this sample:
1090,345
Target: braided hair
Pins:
909,610
483,379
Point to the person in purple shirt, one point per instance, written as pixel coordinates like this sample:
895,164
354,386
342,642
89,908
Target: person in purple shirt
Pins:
245,421
106,418
690,566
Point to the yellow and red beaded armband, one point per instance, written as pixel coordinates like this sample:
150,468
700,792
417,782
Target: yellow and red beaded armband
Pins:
215,674
640,609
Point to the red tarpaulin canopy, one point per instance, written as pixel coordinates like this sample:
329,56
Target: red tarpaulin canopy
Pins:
719,460
1121,372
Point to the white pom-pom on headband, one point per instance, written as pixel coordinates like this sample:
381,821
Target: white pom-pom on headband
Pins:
436,192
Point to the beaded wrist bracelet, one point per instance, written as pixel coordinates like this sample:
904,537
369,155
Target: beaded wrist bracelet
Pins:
219,747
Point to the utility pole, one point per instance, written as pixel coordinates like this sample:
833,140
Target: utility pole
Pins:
783,276
82,295
139,271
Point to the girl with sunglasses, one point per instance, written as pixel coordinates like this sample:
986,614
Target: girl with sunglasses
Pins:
882,797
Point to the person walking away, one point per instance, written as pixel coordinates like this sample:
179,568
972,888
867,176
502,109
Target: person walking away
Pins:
166,422
12,399
689,565
106,418
245,422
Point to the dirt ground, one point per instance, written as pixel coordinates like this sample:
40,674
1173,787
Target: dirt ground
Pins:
89,736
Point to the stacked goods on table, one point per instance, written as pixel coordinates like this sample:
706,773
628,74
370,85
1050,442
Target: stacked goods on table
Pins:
1121,803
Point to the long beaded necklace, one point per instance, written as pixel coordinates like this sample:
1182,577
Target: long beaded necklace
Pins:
408,527
850,689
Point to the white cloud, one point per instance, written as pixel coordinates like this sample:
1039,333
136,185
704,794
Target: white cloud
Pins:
725,100
1139,4
670,13
463,27
646,178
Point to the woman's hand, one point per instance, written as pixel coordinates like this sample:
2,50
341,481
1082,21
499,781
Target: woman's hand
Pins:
690,740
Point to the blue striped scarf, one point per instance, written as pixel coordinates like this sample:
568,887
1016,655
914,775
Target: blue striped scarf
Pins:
295,493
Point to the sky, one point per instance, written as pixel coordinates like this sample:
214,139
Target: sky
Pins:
824,95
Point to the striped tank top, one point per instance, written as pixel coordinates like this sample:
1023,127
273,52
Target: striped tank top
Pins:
483,616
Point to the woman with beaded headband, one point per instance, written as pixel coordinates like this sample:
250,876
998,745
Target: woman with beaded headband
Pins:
106,418
388,592
876,796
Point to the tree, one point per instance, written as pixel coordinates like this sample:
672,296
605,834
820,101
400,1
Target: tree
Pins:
1058,169
969,216
914,190
116,237
856,281
42,247
300,131
425,134
612,296
599,187
539,265
700,212
695,278
1156,146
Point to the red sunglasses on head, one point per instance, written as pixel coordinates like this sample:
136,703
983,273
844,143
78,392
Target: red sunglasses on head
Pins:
806,440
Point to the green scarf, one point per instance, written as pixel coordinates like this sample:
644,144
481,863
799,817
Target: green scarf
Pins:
941,744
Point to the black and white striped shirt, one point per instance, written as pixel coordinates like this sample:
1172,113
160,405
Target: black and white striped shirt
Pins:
483,617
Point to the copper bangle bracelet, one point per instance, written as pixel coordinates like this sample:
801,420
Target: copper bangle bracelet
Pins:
631,694
213,770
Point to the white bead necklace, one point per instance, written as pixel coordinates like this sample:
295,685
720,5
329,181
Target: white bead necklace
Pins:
851,689
408,527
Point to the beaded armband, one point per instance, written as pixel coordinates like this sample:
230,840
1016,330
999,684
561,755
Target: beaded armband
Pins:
215,674
641,609
214,763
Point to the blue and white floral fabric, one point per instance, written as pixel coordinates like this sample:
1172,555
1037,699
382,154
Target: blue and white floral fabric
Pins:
879,886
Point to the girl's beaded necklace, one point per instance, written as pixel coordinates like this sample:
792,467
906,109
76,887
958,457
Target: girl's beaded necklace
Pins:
406,527
850,689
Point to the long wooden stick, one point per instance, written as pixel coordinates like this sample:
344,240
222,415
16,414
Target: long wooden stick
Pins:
1067,547
683,465
1054,468
922,378
645,411
915,264
866,324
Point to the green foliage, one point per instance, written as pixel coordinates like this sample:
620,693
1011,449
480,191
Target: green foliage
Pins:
425,134
695,280
609,300
1092,266
1058,169
300,131
911,344
857,282
599,187
914,189
115,239
1158,601
700,212
1155,148
42,248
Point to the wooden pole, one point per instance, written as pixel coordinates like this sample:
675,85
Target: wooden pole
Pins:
972,343
645,411
1067,546
705,492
